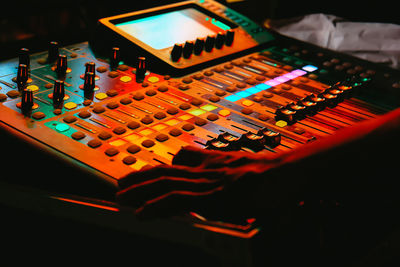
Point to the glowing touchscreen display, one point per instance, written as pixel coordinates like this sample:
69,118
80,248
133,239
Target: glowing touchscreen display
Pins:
164,30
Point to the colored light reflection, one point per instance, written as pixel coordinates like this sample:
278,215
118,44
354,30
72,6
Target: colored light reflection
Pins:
270,83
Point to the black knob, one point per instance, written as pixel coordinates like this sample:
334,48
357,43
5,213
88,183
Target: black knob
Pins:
230,139
286,115
300,110
90,67
216,144
58,93
22,76
310,106
198,46
115,57
188,49
62,66
89,85
209,44
52,52
24,57
220,40
320,101
330,99
141,69
230,34
253,141
272,139
26,100
176,52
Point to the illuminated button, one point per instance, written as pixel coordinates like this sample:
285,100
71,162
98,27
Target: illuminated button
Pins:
263,86
233,98
118,142
153,79
197,112
247,103
172,122
281,123
224,112
132,137
70,105
32,87
253,90
62,127
243,94
208,107
159,127
146,132
125,79
101,96
185,117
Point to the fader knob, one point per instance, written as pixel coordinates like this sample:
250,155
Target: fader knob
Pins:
253,141
216,144
26,100
115,58
272,139
22,76
23,57
141,69
89,85
62,66
58,93
286,115
53,52
230,139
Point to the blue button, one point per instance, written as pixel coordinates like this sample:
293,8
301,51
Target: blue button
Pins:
62,127
233,98
252,90
243,94
263,86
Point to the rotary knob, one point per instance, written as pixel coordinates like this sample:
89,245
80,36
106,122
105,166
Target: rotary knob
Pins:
89,85
58,93
22,76
61,66
115,58
26,101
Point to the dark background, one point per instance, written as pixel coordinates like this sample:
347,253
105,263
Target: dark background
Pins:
33,24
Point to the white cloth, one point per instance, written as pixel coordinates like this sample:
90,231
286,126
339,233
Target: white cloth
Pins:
377,42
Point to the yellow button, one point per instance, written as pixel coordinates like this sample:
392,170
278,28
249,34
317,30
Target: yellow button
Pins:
32,87
247,103
153,79
146,132
70,105
281,123
125,79
118,142
159,127
224,112
101,96
132,137
185,117
172,122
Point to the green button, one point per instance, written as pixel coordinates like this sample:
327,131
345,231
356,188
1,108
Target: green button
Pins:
197,112
208,107
62,127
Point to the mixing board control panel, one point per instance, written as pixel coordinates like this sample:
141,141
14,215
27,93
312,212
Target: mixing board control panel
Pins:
115,118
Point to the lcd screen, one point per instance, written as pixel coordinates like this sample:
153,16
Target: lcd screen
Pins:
164,30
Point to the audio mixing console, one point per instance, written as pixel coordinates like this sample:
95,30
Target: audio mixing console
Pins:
133,96
112,118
